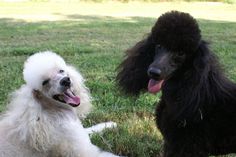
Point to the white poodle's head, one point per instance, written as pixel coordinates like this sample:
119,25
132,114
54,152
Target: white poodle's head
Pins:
48,73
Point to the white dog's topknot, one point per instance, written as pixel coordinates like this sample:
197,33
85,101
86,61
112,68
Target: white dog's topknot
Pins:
40,66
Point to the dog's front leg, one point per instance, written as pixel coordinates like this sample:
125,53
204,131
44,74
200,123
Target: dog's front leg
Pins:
100,127
78,143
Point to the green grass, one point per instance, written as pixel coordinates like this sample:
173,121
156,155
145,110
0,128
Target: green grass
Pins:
95,45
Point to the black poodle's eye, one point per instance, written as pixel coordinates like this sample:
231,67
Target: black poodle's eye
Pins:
179,57
45,82
157,49
61,71
181,54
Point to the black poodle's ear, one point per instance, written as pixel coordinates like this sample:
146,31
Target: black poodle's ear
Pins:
132,72
204,59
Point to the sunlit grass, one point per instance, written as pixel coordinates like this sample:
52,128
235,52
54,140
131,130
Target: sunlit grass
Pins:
54,11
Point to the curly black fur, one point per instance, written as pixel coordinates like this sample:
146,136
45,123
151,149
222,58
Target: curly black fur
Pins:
133,71
197,111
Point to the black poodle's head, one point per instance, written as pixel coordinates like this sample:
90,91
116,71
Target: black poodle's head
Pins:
177,32
177,38
173,40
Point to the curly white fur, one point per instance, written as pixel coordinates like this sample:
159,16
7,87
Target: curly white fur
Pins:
28,129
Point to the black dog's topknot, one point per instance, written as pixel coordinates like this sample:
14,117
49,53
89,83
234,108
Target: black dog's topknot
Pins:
177,31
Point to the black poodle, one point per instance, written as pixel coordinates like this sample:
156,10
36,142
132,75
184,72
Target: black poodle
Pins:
197,111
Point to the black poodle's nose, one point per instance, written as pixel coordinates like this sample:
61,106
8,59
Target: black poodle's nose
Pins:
65,82
154,73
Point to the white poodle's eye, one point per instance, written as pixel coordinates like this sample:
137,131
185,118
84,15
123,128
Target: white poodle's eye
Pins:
61,71
45,82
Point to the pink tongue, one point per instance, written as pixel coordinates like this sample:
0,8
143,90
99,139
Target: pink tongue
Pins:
154,86
70,98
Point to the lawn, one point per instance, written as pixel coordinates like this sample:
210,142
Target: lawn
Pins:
93,38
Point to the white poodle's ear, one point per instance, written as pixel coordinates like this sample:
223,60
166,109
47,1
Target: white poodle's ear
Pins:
81,90
32,126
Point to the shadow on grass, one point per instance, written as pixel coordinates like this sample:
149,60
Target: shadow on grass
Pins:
88,34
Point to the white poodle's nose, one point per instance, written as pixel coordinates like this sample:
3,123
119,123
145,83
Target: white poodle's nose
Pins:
65,82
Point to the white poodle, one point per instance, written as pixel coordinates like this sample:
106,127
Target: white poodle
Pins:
41,120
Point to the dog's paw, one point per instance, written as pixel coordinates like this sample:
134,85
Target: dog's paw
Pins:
109,125
100,127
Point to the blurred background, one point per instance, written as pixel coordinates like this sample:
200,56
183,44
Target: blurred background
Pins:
93,36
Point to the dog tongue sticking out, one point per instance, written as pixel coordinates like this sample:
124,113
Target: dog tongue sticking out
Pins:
71,99
154,86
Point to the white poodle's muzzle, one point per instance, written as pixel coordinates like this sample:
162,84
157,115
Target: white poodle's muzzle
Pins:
60,88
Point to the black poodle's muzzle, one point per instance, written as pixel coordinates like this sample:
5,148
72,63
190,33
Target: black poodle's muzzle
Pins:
160,69
156,81
154,73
